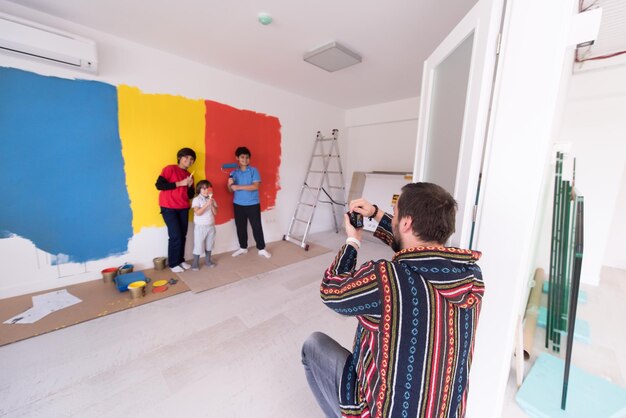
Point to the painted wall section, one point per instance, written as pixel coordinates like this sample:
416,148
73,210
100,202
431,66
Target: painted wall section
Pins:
153,127
60,154
228,128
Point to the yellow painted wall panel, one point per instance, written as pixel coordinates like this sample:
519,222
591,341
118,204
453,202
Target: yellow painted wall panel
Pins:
153,127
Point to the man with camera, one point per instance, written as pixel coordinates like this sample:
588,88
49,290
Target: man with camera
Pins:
417,315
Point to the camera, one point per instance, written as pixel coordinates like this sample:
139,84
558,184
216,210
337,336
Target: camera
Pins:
356,219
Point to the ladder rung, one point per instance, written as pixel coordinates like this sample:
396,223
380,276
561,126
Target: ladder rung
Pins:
328,172
295,238
326,139
336,187
306,204
301,220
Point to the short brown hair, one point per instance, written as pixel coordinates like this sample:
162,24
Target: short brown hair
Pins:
201,184
431,208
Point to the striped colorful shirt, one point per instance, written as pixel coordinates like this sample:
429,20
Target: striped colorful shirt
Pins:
417,315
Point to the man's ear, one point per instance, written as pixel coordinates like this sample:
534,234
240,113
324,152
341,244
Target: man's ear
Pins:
406,225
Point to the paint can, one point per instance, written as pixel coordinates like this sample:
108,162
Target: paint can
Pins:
126,268
159,263
137,289
109,274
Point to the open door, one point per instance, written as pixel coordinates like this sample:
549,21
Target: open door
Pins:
457,85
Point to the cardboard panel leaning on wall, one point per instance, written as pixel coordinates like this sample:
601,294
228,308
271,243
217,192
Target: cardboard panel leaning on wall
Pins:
383,190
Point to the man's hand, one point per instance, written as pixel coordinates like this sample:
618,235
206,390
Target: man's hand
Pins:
350,230
363,207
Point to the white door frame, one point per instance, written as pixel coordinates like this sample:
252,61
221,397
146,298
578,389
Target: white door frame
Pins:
483,21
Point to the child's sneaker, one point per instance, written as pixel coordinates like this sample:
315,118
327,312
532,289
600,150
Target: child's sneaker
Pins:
264,253
240,251
177,269
211,264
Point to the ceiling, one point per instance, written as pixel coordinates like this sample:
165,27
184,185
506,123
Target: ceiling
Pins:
393,37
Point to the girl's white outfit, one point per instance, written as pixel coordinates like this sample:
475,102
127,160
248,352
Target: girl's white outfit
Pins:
204,227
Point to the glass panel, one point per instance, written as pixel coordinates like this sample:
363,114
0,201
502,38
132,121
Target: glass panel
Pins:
447,111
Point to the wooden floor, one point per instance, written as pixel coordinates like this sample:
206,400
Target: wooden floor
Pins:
233,351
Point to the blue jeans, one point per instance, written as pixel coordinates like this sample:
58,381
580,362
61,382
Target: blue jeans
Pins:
177,221
324,359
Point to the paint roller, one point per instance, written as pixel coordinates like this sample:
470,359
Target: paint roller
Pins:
228,166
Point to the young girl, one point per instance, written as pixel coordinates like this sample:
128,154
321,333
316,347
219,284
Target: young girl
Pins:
204,210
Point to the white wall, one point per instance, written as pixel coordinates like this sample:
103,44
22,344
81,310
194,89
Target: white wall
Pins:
615,255
381,137
121,62
528,97
594,129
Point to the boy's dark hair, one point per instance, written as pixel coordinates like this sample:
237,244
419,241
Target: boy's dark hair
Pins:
201,184
242,150
183,152
431,208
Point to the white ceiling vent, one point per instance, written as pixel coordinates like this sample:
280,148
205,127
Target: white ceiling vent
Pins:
28,39
332,57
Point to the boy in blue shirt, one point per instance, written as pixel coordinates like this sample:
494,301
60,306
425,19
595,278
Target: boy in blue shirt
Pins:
244,183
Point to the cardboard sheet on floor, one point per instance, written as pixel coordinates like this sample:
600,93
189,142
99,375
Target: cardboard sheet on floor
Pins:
231,269
98,299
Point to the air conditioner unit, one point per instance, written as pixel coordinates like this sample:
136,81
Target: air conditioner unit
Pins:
29,39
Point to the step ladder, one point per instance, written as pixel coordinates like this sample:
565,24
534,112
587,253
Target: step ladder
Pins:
323,183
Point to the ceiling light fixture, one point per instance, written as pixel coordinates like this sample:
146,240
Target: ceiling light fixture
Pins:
332,57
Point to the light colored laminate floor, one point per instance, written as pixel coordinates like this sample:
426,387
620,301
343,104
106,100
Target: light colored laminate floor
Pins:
605,355
233,351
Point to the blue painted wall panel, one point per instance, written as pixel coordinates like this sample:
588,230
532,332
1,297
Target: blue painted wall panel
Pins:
61,166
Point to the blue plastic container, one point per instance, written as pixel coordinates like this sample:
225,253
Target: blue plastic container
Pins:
123,280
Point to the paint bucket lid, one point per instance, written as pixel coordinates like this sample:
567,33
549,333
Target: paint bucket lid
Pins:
159,283
110,270
159,289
